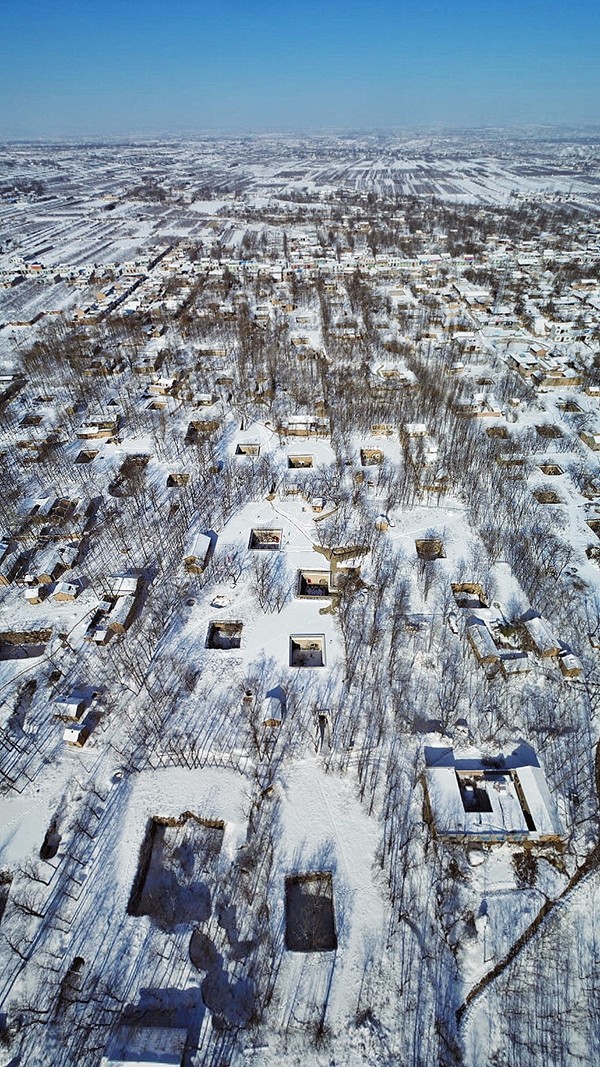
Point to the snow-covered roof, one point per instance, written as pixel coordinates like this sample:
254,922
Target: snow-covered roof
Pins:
415,429
46,559
197,546
570,663
72,734
481,638
124,584
470,798
515,662
544,640
272,709
121,610
70,704
65,589
539,801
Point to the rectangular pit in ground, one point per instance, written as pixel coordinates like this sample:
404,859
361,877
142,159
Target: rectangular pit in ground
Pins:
551,469
473,793
224,635
548,431
430,548
176,860
300,462
469,595
547,496
247,449
313,584
307,650
371,457
265,538
309,913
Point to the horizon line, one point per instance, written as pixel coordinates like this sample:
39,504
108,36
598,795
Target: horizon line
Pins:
224,133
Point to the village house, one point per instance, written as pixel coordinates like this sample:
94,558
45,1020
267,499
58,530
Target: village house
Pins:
35,594
481,641
124,584
161,385
102,365
541,636
74,704
514,663
120,615
115,613
492,799
97,630
76,734
563,331
145,365
46,566
305,426
480,405
555,374
64,591
524,364
197,553
95,428
422,449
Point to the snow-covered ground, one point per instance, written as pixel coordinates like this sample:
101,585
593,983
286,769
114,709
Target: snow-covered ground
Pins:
324,601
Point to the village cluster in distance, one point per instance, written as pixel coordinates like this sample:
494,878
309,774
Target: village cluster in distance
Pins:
300,601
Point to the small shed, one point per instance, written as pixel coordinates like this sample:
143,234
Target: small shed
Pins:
197,553
33,594
570,664
77,733
272,711
98,428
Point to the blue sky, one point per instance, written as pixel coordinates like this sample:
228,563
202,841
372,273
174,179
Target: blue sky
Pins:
73,68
